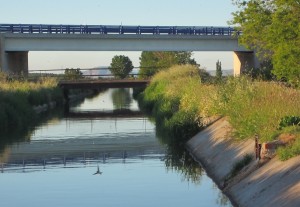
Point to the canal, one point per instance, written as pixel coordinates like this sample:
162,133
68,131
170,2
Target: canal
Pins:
104,152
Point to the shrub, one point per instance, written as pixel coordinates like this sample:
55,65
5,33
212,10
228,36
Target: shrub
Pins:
292,150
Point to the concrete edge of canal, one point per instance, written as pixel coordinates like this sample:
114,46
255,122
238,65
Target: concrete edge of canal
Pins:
262,183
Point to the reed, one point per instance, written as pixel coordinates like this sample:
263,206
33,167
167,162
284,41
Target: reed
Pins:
180,102
18,97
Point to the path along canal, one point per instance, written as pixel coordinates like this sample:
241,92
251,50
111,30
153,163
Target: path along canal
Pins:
102,155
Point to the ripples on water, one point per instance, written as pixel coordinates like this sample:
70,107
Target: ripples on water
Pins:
58,164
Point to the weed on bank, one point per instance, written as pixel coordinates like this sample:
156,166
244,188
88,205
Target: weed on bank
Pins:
18,97
181,102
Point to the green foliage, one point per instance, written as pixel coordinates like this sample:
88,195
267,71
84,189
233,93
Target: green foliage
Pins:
17,99
289,121
72,74
218,71
292,150
272,29
166,99
238,166
152,62
256,107
262,73
120,66
182,103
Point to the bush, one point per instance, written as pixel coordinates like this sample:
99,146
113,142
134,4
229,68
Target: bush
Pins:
289,121
292,150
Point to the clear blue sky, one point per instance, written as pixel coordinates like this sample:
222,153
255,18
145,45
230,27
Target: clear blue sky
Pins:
116,12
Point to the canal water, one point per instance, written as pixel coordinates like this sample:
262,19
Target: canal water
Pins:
104,152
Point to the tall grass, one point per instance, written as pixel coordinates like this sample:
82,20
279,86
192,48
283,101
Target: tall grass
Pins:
174,98
18,97
257,107
180,102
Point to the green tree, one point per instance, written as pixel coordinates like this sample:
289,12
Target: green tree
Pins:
73,74
120,66
272,29
152,62
219,71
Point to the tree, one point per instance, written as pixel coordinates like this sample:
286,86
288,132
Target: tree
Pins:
272,29
73,74
219,71
120,66
152,62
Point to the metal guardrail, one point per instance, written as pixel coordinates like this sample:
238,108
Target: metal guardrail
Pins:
116,29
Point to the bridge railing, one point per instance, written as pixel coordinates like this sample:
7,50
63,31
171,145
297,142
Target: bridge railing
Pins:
116,29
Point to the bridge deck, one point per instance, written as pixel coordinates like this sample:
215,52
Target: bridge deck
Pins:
95,84
115,29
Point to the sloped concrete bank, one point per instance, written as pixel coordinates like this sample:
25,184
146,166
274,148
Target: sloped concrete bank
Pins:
261,183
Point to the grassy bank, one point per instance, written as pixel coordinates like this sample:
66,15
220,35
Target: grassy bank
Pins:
182,103
18,97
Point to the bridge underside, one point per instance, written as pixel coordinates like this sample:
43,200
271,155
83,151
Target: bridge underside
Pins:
14,47
98,84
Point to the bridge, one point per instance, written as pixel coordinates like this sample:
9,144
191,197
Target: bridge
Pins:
16,40
103,83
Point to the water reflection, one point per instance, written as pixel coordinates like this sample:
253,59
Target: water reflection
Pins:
121,98
123,150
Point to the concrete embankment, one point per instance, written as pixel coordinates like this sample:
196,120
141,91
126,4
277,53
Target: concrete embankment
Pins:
261,183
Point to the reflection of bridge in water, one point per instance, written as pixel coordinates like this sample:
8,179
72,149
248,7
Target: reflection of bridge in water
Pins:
41,155
118,113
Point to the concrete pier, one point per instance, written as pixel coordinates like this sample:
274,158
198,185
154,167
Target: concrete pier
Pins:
243,61
13,62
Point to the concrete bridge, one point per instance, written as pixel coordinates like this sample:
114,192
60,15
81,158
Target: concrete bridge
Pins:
16,40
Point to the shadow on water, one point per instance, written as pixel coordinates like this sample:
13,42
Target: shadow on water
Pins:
23,134
177,158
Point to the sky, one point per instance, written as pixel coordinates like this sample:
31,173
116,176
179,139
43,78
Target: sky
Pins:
116,12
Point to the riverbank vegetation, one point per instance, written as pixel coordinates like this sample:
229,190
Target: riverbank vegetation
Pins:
271,28
183,102
17,98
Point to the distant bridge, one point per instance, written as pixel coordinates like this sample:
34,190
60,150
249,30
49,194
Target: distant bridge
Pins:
103,83
16,40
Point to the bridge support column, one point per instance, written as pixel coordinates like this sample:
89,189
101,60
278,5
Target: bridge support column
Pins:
2,55
243,61
13,62
17,62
